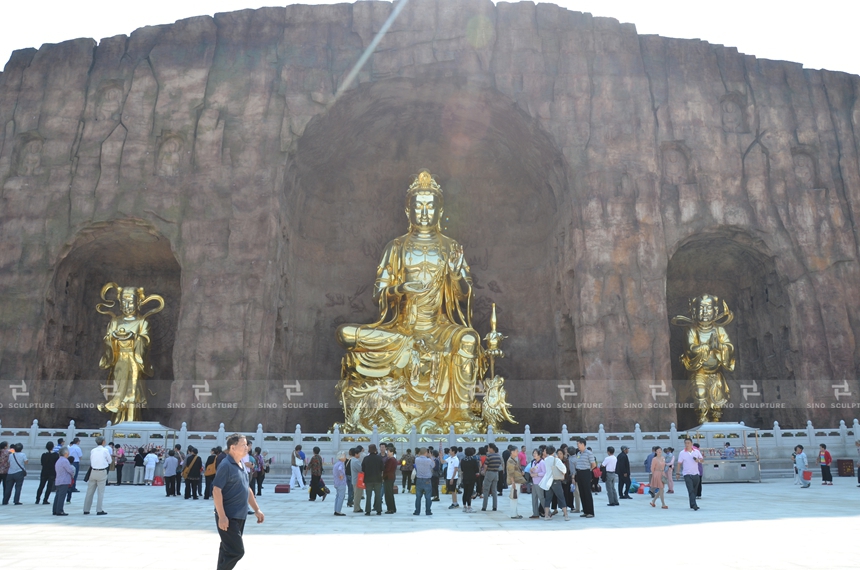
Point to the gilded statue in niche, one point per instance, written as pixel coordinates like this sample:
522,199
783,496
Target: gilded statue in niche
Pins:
422,362
709,354
126,351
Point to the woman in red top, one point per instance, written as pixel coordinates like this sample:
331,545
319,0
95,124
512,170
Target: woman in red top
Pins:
824,460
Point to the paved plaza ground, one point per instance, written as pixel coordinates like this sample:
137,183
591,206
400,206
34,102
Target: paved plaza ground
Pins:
773,524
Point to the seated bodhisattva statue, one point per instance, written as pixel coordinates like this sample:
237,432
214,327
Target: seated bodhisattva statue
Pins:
421,363
709,353
126,351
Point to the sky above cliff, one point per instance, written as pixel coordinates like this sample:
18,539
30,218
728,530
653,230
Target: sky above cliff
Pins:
820,35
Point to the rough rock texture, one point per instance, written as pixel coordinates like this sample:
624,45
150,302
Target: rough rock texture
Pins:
597,178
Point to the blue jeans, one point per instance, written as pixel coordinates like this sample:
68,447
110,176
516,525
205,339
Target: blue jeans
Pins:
338,500
422,487
350,492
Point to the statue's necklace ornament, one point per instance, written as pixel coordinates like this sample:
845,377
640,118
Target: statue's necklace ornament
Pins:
421,363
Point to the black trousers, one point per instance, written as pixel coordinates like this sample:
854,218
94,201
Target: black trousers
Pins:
468,490
826,477
692,482
388,488
406,482
699,487
373,490
261,476
623,486
434,486
119,473
207,491
583,483
45,481
170,485
232,548
192,488
316,488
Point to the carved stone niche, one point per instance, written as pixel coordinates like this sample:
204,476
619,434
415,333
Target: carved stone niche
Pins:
169,157
805,167
733,111
109,101
677,163
28,154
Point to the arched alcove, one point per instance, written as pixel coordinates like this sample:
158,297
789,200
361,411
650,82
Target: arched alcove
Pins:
129,253
504,184
732,265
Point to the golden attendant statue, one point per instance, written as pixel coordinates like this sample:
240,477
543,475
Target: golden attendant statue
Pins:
421,363
709,353
126,351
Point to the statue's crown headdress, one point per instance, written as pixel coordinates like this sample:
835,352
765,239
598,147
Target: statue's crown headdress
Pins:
424,182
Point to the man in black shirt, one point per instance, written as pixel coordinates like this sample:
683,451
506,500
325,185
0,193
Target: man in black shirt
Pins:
48,474
622,467
372,466
232,497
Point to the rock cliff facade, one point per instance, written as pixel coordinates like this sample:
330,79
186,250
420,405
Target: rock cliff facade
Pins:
597,179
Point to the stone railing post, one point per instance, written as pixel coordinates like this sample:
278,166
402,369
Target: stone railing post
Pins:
856,429
70,433
527,437
601,439
810,435
673,435
452,437
843,433
336,440
297,438
222,437
183,435
413,439
491,435
565,436
637,438
777,434
258,437
34,433
374,437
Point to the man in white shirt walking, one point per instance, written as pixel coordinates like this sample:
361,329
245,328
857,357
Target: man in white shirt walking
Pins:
75,455
453,473
609,464
688,466
99,463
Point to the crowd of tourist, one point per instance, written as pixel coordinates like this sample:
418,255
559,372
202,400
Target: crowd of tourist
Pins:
60,469
563,480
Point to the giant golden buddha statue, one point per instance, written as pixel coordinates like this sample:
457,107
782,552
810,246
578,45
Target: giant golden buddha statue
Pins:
422,362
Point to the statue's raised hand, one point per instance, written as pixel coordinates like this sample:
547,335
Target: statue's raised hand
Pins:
455,258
